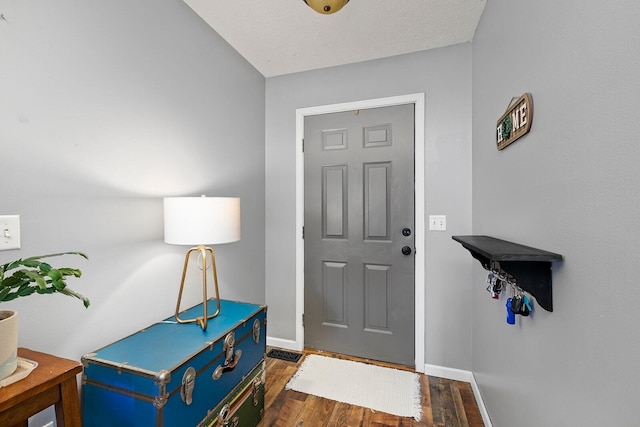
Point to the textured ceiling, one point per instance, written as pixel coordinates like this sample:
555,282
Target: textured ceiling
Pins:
286,36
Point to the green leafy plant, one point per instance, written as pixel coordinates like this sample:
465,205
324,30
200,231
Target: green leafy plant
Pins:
31,275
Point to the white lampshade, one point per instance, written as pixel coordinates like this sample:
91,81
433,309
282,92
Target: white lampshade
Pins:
201,220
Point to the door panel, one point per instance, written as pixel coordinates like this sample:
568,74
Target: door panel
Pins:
376,201
376,282
359,195
333,292
334,201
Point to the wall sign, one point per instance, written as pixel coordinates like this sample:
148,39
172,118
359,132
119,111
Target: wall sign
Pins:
515,122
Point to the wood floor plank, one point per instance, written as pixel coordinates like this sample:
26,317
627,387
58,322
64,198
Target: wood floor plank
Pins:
289,411
425,399
437,402
459,405
474,417
339,417
444,403
315,412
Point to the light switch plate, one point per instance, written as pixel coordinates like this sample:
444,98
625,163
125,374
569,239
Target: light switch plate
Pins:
9,232
437,222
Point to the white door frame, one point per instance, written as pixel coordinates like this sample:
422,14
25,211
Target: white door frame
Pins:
418,100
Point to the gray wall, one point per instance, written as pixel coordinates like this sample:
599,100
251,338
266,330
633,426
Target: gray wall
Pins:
444,75
571,186
106,107
103,106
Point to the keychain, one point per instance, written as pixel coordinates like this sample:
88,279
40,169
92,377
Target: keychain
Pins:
516,303
495,284
525,308
498,286
491,283
511,316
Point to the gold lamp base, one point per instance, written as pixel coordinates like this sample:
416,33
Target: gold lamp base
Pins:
201,320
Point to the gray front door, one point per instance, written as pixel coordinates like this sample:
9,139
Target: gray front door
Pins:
359,233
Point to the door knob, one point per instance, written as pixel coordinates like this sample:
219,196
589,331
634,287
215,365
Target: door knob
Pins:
406,250
406,232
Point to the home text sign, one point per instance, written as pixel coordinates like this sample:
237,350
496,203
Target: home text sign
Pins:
515,122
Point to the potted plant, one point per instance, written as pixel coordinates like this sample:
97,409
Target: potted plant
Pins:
21,278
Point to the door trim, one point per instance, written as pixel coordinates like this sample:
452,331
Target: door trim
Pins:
418,99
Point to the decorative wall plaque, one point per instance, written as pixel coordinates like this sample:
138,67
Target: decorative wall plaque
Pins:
515,122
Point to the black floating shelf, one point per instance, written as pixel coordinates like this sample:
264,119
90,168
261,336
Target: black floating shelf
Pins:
530,267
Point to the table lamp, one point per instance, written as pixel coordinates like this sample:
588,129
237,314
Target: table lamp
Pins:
201,221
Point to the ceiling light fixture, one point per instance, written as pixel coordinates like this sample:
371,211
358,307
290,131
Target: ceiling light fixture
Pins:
326,6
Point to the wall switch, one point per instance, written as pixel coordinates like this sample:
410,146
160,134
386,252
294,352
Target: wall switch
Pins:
9,232
438,222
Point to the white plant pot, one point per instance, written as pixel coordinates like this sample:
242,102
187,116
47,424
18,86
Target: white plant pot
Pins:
8,342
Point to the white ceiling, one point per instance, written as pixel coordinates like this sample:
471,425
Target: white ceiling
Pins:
286,36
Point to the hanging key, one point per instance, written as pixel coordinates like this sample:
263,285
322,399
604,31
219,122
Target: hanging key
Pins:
491,282
511,316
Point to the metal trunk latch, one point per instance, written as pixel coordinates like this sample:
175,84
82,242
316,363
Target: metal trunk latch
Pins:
223,417
230,359
256,331
188,384
229,342
255,391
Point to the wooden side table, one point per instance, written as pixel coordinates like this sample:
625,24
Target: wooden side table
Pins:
53,382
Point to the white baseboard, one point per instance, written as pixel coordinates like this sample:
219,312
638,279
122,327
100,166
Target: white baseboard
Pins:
284,344
461,375
448,373
483,409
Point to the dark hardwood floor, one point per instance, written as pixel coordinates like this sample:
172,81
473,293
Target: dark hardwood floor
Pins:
444,403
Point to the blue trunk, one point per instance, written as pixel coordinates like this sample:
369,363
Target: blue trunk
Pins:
138,381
